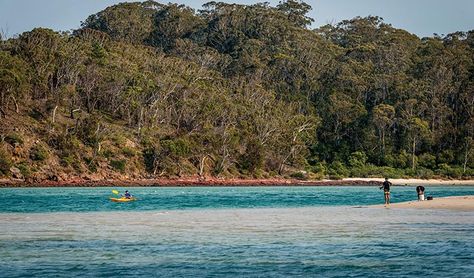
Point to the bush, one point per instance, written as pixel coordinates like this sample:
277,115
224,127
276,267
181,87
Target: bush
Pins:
38,153
448,171
446,157
338,170
358,159
25,170
320,169
370,170
177,147
5,163
427,160
402,160
298,175
91,164
129,152
68,160
13,139
107,153
253,158
424,173
118,165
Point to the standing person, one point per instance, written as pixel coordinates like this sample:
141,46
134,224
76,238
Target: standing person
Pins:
421,192
386,190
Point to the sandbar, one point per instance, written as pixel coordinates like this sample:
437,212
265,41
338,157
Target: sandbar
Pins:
461,203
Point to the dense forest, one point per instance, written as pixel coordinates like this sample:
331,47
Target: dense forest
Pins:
147,90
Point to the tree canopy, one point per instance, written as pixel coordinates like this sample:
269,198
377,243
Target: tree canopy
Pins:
149,89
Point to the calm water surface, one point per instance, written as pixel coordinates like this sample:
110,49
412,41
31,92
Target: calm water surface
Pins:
232,232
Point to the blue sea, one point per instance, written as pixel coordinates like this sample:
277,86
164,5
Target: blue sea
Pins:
232,232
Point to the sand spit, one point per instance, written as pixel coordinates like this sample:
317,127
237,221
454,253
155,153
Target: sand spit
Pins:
461,203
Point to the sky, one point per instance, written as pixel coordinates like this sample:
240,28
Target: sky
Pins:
421,17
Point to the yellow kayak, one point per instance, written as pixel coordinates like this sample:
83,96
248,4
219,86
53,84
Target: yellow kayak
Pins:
122,199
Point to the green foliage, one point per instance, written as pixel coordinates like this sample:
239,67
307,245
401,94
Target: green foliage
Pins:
448,171
253,158
129,152
25,170
427,160
14,138
357,159
119,165
337,170
5,162
175,147
299,175
243,90
446,157
39,153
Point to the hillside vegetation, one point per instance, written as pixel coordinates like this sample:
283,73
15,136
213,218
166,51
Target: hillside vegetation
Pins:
146,90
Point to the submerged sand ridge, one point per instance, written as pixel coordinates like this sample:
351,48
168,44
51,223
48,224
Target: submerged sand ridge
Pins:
461,203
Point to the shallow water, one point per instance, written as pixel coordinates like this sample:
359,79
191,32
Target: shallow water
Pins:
172,198
287,234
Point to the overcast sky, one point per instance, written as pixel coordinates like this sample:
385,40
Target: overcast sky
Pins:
421,17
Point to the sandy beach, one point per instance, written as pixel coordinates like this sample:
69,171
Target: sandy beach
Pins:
413,181
461,203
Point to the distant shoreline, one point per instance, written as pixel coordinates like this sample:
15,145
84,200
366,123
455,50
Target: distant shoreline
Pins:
196,182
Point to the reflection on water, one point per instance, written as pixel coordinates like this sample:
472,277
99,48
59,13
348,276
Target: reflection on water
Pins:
270,242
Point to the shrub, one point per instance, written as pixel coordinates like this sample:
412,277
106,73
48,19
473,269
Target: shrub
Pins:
68,160
129,152
38,153
320,169
338,170
253,158
446,157
427,160
149,158
118,165
424,173
358,159
107,153
25,170
177,147
298,175
402,160
5,163
14,138
91,164
448,171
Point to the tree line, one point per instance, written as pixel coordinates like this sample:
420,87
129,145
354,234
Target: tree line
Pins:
148,89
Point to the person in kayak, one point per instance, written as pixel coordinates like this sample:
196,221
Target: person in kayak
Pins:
421,192
127,195
386,190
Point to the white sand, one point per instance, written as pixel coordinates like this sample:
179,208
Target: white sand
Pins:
462,203
416,181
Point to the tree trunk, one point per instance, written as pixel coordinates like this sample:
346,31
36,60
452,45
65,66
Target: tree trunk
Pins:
17,109
466,156
54,114
201,166
413,154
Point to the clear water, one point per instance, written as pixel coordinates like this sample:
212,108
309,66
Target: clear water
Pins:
232,232
176,198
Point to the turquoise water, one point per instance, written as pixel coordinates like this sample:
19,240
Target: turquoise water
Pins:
232,232
173,198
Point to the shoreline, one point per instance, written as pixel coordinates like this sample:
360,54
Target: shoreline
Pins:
459,203
197,182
